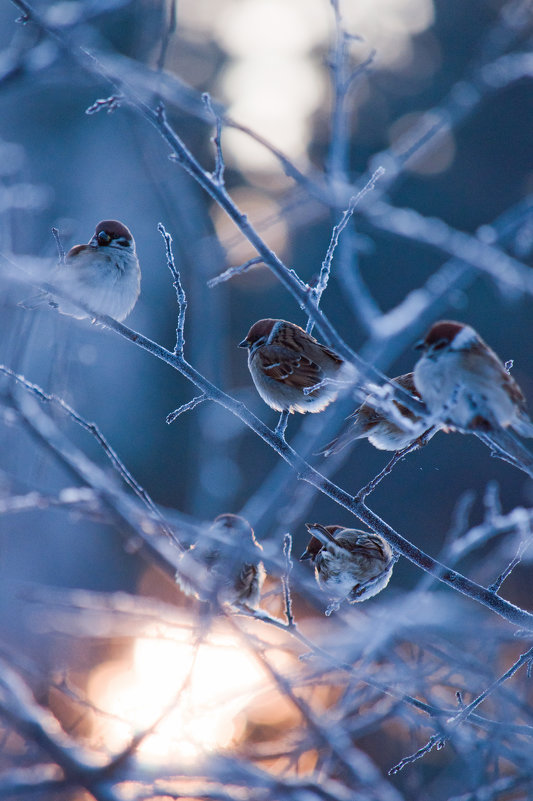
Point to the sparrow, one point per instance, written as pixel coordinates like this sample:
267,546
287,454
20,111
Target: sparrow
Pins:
381,429
283,360
463,382
349,564
214,566
104,274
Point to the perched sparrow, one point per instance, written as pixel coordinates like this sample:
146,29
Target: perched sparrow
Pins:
284,360
214,568
104,274
349,564
463,382
381,430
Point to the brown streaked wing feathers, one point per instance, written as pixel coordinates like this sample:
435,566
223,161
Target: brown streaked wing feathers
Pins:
294,370
292,367
373,417
295,338
364,540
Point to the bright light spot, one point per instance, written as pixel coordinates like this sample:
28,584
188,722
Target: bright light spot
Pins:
260,26
273,83
277,77
274,97
208,686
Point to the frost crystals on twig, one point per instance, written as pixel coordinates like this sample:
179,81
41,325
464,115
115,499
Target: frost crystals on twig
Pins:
398,456
325,270
180,293
524,524
285,579
333,606
60,248
440,740
218,174
186,407
282,424
436,740
108,104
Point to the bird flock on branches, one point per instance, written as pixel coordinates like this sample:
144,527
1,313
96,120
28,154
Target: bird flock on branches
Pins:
457,384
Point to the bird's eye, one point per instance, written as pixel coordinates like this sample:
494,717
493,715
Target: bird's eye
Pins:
103,238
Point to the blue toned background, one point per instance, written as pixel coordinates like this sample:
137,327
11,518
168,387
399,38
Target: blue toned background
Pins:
267,62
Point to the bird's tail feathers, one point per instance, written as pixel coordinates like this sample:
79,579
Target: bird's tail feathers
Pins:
351,433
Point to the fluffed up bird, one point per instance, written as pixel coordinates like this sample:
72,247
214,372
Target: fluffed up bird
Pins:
349,564
284,360
380,427
225,565
104,274
464,383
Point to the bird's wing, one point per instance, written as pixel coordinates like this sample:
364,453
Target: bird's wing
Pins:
290,367
363,541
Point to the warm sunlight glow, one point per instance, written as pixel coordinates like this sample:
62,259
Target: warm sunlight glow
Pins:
207,686
273,76
277,78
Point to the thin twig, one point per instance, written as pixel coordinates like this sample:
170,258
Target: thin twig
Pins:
170,29
398,456
435,741
515,561
231,271
180,294
108,104
440,740
218,174
337,230
186,407
285,579
59,244
282,425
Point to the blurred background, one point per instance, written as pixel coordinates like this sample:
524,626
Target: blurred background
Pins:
269,63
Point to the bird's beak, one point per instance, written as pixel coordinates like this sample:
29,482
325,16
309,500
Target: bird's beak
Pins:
306,555
244,344
419,345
